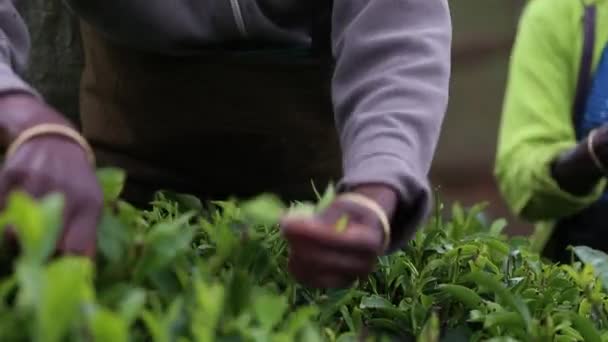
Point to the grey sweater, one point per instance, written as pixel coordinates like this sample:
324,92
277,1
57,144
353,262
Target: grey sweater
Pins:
390,84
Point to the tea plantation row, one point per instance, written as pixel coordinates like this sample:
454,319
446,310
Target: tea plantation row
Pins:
184,271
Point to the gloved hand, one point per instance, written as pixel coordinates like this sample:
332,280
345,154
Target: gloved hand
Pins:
51,163
322,257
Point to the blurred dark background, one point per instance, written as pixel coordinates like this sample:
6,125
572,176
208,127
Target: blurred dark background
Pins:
483,34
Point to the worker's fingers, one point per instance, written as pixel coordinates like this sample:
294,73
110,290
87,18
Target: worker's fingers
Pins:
318,276
356,213
37,170
356,238
9,180
80,231
80,234
321,256
312,257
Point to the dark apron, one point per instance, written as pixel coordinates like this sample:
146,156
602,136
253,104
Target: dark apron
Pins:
587,228
215,125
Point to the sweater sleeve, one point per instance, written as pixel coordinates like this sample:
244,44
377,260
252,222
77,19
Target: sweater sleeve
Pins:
390,91
536,124
14,50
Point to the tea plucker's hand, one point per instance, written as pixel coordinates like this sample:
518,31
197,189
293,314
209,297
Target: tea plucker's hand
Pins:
579,169
325,255
45,156
389,90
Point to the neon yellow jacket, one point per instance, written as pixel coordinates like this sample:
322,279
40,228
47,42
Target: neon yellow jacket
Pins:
536,123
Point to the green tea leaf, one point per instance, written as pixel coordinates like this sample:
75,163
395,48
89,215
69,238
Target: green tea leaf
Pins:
132,305
107,326
208,310
263,210
336,300
463,294
31,281
154,326
499,289
240,292
113,238
506,319
569,333
348,337
347,318
497,227
302,210
269,309
185,202
326,199
426,301
301,318
357,316
67,287
162,245
585,327
430,331
342,224
384,324
375,302
502,339
37,223
597,259
309,334
112,181
457,334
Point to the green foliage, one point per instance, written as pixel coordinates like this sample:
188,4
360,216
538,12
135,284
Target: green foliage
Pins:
186,271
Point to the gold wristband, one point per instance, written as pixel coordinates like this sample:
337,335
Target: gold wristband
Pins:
594,156
373,206
46,129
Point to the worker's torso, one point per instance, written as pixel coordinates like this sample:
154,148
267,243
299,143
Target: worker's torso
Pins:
184,26
187,96
590,226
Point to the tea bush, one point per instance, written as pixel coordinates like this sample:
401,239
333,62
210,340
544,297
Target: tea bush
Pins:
186,271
